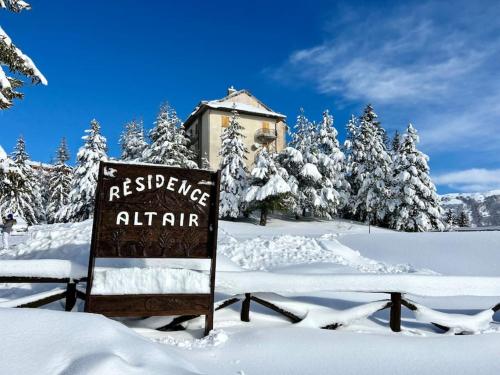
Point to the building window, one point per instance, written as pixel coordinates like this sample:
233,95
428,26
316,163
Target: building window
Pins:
265,125
225,121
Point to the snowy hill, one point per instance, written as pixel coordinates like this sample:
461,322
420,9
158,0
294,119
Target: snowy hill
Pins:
295,257
483,209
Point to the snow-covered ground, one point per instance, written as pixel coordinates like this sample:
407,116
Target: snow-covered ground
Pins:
272,257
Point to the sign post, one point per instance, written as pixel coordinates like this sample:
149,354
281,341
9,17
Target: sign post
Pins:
152,211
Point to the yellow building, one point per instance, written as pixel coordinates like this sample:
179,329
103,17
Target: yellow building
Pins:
261,125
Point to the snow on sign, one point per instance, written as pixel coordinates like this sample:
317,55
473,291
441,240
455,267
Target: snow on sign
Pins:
151,211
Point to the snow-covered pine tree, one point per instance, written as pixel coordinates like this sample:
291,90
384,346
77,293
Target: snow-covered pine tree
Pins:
353,150
396,141
181,150
370,169
159,150
132,141
19,189
169,144
301,163
463,220
6,166
42,176
449,218
82,196
59,183
233,170
204,162
415,203
268,191
15,61
291,161
33,182
370,116
334,187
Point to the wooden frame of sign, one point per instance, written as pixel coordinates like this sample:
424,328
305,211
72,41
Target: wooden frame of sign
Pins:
152,211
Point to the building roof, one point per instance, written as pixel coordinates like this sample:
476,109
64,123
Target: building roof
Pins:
227,103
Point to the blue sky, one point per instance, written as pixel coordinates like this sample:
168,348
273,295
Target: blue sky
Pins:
434,64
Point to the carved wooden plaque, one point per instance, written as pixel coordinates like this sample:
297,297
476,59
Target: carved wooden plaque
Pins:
151,211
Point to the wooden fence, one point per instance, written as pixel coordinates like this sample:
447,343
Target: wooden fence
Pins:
69,293
395,304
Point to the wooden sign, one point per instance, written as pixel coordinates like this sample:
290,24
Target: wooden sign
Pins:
151,211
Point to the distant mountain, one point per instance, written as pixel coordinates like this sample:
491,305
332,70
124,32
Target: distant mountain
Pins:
483,209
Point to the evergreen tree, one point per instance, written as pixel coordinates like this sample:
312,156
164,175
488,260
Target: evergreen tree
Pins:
159,150
334,187
449,218
169,144
268,190
205,163
132,141
42,176
233,170
371,117
181,150
59,183
15,61
304,137
300,160
19,189
6,177
353,150
370,169
82,196
463,220
416,205
292,162
396,141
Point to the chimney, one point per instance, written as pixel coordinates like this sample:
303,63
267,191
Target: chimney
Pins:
231,90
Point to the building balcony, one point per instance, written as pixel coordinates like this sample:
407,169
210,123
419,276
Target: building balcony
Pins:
265,135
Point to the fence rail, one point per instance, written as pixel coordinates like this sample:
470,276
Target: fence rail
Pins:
395,304
70,293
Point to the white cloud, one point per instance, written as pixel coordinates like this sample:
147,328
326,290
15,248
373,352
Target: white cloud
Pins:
410,54
434,64
375,75
470,180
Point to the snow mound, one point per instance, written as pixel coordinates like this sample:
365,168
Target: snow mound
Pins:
317,316
69,241
320,316
56,268
216,337
55,342
419,285
265,254
456,322
149,280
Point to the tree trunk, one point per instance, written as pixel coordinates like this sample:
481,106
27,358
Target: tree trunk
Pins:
263,215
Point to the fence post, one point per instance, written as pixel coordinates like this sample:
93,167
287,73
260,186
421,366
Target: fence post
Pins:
70,295
245,308
395,321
